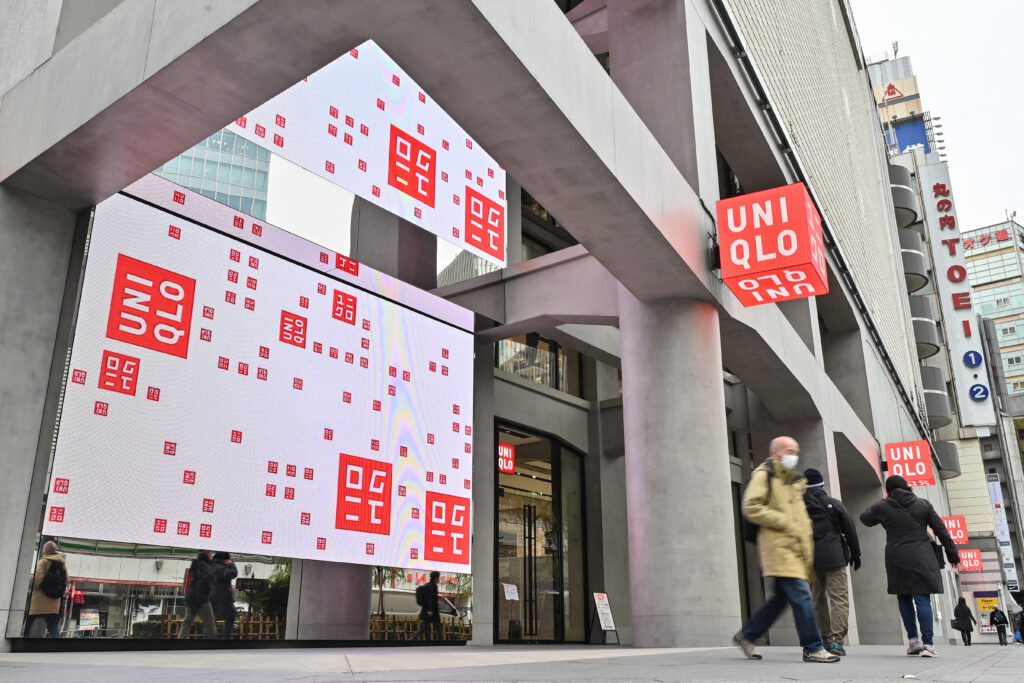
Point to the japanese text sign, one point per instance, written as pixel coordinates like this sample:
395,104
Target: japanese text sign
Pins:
911,460
771,246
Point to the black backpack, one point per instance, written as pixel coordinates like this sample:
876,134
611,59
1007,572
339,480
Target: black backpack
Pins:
749,528
421,595
55,580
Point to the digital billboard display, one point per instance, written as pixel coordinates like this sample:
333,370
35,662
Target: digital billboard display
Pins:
231,386
363,124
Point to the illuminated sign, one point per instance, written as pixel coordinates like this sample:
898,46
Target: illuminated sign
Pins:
363,124
970,560
957,528
506,458
771,246
911,460
235,387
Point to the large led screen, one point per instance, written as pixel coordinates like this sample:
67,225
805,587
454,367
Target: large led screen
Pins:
233,387
362,123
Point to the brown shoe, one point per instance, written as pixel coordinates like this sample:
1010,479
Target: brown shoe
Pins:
821,657
748,647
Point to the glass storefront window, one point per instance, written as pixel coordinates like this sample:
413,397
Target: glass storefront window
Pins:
540,360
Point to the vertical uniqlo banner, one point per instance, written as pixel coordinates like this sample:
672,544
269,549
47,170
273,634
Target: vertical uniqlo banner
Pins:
771,246
363,124
970,382
308,424
970,560
506,458
957,528
911,460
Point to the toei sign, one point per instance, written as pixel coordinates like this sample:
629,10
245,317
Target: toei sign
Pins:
911,460
771,246
506,458
957,528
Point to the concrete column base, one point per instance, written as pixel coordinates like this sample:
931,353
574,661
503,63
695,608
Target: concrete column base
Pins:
328,601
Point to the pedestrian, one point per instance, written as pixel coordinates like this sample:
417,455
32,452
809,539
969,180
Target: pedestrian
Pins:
197,597
785,543
998,619
835,547
426,598
911,558
48,585
222,597
964,621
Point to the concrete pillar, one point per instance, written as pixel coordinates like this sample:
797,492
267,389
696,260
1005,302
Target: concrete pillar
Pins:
328,601
682,562
484,467
387,243
513,221
35,251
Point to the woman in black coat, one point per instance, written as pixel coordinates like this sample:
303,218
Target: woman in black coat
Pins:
910,562
222,598
964,621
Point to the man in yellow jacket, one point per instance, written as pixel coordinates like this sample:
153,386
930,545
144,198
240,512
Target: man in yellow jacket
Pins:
774,501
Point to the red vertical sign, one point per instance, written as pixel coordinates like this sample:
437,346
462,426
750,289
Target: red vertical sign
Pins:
506,458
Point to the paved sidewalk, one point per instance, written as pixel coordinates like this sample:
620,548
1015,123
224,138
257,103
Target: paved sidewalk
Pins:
522,663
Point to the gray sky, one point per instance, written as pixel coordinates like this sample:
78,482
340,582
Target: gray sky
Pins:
966,62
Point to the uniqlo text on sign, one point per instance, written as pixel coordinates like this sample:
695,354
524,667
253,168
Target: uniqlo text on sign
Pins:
447,528
957,528
364,495
771,246
151,307
970,560
506,458
911,460
293,329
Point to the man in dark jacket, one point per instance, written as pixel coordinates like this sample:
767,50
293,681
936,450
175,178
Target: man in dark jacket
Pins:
998,619
835,546
429,614
910,561
197,597
222,597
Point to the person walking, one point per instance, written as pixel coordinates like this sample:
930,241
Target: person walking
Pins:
835,547
48,586
964,621
222,597
998,619
785,543
426,598
197,597
911,559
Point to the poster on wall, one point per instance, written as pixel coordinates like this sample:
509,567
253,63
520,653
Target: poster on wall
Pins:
363,124
233,387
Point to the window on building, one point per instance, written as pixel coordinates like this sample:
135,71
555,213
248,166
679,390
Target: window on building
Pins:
1012,329
1013,360
987,448
542,360
1003,301
1017,386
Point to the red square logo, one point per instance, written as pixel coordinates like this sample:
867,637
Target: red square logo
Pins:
401,491
174,232
443,478
455,408
321,543
349,121
406,376
250,282
364,129
414,553
364,362
205,530
417,212
205,334
447,528
261,373
236,436
469,430
119,373
444,176
160,526
362,165
170,448
297,383
239,222
455,463
229,297
223,363
78,376
344,307
232,275
151,307
293,329
153,394
61,485
433,366
380,104
485,224
467,448
100,408
334,352
349,265
307,473
346,397
430,438
364,495
465,484
444,144
254,263
374,444
392,390
366,324
415,513
376,406
189,477
179,197
235,255
278,140
376,191
422,98
369,549
304,301
250,304
444,370
403,451
261,131
348,139
455,427
257,229
395,79
304,518
365,343
264,352
267,537
208,312
243,369
56,514
207,504
183,528
349,357
329,166
240,121
289,493
279,120
444,353
334,112
469,143
430,476
328,434
272,466
290,470
412,166
271,490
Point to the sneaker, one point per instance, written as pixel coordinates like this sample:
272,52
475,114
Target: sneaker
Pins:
915,646
836,648
929,651
822,656
748,647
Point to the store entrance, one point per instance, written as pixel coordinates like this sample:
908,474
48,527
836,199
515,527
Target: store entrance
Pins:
540,566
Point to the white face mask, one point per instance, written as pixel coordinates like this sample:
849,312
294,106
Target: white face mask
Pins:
790,462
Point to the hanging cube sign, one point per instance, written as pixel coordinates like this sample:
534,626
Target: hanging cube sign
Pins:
771,246
911,460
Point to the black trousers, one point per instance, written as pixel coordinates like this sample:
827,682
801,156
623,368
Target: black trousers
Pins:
1001,629
966,637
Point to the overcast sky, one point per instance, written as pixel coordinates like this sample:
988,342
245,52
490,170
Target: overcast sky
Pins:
967,62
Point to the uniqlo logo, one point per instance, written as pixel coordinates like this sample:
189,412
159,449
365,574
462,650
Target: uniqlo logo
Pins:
364,129
293,329
207,504
304,518
376,406
433,366
329,166
223,363
174,232
344,307
485,224
469,431
250,304
447,528
160,526
406,375
261,373
170,448
271,490
239,222
465,484
374,444
321,543
61,485
455,463
56,514
236,436
364,495
205,334
208,312
469,174
346,396
100,408
469,143
422,98
444,353
455,427
444,144
254,263
151,307
328,434
189,477
179,197
232,275
264,352
348,139
297,383
375,190
349,121
501,194
261,131
267,537
490,173
467,448
414,554
289,493
455,408
229,297
970,560
420,130
366,324
415,513
349,265
290,470
119,373
304,301
183,528
278,140
479,181
333,111
321,288
456,200
205,530
364,362
78,376
404,451
362,165
365,343
417,212
392,390
443,478
369,549
334,352
235,255
279,120
430,438
257,229
380,104
444,370
411,166
307,473
444,176
153,394
243,369
250,282
395,79
272,466
349,357
240,121
430,476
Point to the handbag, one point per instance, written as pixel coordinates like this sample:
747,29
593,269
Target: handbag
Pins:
940,556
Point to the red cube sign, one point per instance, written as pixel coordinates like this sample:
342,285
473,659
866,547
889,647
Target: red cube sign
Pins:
447,528
911,460
364,495
957,528
344,307
771,246
970,560
411,166
293,329
151,307
506,458
485,224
